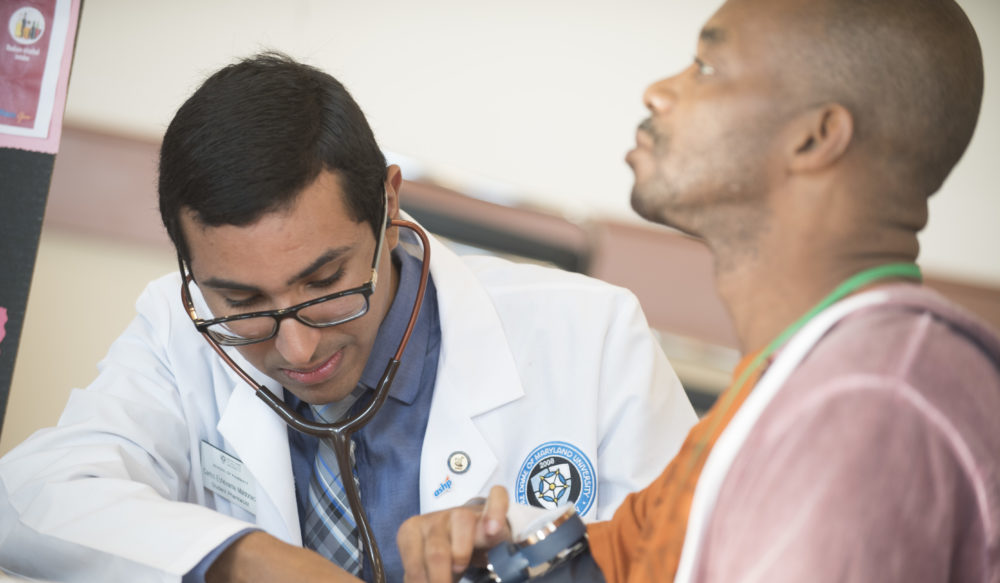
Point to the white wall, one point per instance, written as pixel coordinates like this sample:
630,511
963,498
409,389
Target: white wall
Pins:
537,98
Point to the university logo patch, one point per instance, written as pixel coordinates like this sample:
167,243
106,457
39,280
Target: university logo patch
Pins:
556,474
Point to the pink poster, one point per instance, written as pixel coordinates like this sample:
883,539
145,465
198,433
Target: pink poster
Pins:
36,47
3,323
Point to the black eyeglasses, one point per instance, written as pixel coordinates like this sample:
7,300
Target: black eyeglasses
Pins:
322,312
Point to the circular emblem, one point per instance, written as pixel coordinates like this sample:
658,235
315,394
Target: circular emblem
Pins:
26,25
556,474
459,462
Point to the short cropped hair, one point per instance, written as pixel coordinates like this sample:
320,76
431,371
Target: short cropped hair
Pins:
910,71
254,135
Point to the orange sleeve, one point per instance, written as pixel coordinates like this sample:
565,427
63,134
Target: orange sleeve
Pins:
614,543
643,540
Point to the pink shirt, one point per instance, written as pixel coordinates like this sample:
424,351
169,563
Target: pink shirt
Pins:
879,460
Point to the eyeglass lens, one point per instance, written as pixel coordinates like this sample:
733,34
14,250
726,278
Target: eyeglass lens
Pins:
336,310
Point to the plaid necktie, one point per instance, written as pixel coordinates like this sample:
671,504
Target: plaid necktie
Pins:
330,527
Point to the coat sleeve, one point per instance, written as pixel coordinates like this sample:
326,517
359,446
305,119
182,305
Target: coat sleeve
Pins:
106,494
644,414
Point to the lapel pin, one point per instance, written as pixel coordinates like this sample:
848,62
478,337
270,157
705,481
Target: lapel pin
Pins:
459,462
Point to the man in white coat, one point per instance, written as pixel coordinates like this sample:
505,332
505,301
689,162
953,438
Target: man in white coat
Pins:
281,207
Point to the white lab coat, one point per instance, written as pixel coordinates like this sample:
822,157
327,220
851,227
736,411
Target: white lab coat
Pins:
529,355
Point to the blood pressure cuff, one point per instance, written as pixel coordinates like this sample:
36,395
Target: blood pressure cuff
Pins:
581,568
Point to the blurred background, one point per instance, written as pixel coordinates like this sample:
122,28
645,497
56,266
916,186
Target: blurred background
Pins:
509,118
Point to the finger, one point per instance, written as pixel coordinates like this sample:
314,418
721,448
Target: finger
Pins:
492,528
437,550
410,540
463,538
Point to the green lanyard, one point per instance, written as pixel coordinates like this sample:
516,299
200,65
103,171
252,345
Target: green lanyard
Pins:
726,400
850,285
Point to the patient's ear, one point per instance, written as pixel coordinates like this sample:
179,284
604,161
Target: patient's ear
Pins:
819,137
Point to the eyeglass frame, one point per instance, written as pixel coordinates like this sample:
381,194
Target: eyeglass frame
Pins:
366,289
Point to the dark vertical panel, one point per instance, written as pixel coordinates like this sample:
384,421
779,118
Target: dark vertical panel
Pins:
24,188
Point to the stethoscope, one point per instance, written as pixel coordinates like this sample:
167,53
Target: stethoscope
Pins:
338,435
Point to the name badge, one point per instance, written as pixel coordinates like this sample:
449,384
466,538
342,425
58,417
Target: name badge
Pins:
228,477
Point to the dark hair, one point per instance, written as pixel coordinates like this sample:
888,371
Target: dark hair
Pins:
254,135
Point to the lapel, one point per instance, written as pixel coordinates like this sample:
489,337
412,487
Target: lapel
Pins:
256,435
476,374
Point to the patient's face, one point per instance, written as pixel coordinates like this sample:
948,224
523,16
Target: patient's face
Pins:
709,145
